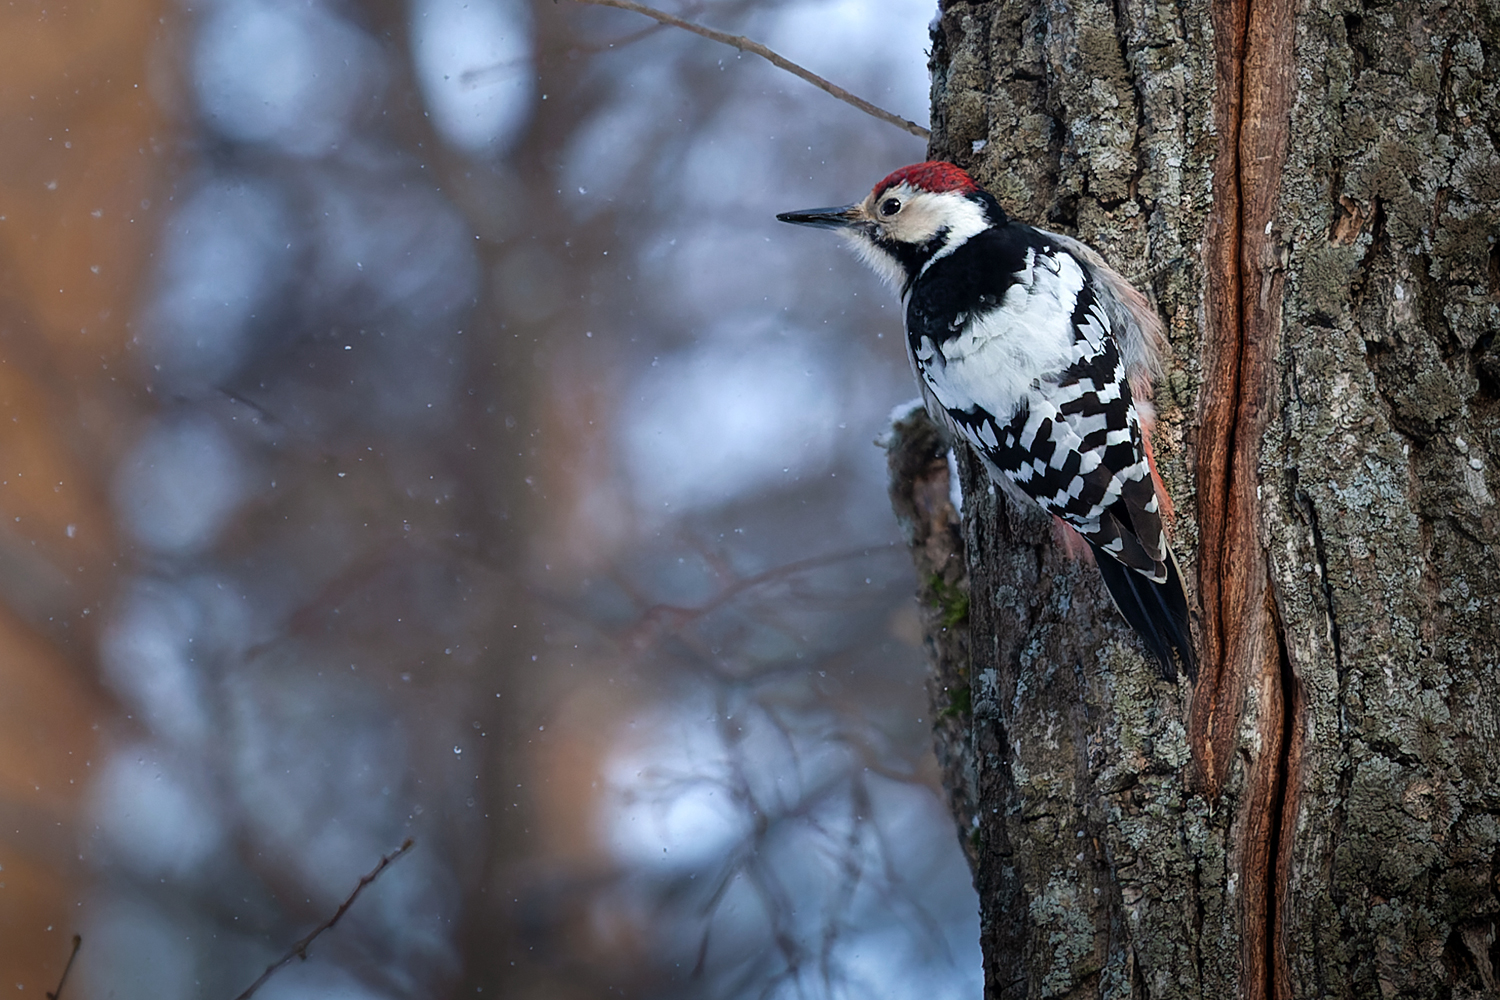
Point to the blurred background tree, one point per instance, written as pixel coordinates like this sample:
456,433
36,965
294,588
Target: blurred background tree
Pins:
415,424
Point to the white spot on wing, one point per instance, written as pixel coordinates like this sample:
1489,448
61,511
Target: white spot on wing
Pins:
1084,424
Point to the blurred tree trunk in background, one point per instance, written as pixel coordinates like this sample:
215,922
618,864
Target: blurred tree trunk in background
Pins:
1316,190
76,227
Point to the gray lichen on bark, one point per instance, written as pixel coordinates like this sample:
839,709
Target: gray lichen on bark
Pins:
1319,816
1381,516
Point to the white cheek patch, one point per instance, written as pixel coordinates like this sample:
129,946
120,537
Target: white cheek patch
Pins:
923,216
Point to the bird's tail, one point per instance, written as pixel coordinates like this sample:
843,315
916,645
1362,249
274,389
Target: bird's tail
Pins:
1157,611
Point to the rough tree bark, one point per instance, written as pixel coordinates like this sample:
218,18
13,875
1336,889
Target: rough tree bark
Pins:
1315,189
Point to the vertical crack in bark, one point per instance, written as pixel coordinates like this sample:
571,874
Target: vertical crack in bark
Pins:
1210,725
1284,822
1244,649
1311,514
1264,822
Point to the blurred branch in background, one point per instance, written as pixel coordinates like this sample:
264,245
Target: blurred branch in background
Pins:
299,949
63,979
672,618
780,62
762,821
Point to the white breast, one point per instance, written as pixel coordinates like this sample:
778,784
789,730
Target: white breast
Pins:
1001,354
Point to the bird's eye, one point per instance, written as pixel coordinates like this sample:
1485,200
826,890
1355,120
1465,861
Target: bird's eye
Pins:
890,207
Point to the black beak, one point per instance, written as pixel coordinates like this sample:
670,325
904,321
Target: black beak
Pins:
824,218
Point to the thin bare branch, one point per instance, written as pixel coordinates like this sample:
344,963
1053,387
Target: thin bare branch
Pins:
77,943
299,950
672,616
600,48
750,45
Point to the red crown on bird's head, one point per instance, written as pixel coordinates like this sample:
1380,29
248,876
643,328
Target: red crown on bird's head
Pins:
934,176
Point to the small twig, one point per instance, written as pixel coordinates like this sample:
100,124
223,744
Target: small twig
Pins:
749,45
260,411
599,48
299,950
77,943
672,616
472,79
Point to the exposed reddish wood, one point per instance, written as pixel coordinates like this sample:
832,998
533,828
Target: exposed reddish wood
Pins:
1241,652
1263,134
1216,697
1259,831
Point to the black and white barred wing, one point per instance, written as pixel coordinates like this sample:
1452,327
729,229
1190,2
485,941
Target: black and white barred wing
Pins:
1039,389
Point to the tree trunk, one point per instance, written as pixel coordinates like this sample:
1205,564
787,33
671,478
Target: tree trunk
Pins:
1314,192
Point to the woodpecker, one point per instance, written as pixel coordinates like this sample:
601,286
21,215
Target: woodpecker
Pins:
1030,348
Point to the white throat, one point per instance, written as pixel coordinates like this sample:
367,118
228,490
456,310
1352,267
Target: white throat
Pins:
881,262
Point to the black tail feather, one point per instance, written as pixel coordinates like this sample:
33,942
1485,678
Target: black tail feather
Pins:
1157,611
